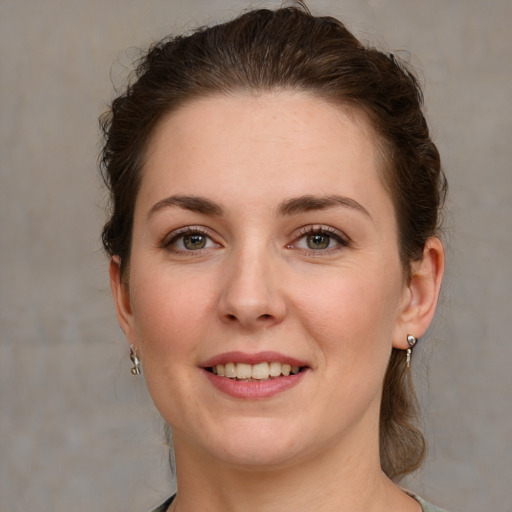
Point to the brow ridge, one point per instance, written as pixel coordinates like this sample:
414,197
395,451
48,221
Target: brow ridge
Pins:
288,207
308,203
188,202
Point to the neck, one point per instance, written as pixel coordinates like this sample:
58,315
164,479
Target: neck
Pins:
338,481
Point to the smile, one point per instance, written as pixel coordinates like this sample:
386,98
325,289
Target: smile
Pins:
254,376
257,372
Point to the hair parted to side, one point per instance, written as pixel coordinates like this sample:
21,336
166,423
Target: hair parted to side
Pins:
290,49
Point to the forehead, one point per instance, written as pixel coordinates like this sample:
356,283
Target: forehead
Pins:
260,143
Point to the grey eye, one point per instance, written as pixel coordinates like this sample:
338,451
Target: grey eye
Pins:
192,240
195,241
318,241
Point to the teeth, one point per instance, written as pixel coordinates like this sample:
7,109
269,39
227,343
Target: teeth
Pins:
243,371
260,371
230,370
275,369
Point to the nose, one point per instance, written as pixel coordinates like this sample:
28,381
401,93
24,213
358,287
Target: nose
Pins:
251,294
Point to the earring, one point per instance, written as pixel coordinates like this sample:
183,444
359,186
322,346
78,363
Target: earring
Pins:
411,340
136,369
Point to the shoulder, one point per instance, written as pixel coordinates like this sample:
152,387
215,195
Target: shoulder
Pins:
425,506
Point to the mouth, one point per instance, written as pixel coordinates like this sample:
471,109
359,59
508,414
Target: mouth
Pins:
254,376
259,372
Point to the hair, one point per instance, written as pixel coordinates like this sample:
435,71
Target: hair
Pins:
289,49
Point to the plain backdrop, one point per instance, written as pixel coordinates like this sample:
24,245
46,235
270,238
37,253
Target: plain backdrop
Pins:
77,431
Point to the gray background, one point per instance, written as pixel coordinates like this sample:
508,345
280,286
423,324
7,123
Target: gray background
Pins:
77,431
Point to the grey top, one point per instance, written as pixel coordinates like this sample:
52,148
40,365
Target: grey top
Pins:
163,507
426,507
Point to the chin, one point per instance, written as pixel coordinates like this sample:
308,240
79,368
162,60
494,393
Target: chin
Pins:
255,444
259,457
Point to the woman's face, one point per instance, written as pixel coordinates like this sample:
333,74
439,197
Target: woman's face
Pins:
264,239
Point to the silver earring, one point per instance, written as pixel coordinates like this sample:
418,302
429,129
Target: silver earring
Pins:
136,369
411,340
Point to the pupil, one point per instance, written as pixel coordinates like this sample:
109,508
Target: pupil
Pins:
194,241
318,241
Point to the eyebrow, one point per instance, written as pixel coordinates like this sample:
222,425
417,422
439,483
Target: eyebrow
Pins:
193,203
290,206
308,203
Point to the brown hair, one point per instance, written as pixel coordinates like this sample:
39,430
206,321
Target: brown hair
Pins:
290,49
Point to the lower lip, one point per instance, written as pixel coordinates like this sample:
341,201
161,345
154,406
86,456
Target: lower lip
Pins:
253,390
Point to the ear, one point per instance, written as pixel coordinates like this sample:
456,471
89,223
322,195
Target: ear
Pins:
421,294
122,302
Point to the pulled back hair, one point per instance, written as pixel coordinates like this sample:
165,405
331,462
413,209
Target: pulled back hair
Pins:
289,49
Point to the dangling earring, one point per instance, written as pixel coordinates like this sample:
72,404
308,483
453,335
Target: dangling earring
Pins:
411,340
136,369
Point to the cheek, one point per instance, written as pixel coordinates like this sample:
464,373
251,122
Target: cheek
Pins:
170,320
352,318
168,313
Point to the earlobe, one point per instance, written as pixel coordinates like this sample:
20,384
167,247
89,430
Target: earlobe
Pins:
421,295
121,296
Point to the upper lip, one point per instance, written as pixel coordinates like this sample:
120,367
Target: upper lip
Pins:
255,358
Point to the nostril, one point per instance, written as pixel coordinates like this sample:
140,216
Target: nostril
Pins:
265,316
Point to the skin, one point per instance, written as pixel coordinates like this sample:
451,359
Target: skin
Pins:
257,285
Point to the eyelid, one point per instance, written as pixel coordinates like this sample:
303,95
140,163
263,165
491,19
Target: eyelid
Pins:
312,229
176,234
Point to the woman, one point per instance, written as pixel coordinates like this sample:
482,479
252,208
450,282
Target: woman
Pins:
275,199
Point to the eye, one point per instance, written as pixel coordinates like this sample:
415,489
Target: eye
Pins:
193,242
189,239
318,239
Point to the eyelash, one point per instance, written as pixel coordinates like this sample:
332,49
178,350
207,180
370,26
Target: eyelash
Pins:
180,234
342,240
311,230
